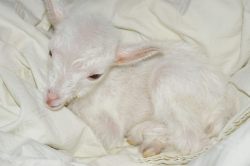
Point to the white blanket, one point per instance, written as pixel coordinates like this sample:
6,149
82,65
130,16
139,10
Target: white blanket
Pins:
30,133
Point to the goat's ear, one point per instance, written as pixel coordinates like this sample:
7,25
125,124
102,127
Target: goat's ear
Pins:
132,54
54,11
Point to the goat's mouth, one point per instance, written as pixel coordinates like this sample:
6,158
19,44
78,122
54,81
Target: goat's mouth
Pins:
57,104
55,107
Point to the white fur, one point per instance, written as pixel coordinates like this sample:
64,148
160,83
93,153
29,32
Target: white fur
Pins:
172,100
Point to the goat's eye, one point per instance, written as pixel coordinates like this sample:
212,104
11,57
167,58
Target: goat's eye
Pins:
50,53
94,76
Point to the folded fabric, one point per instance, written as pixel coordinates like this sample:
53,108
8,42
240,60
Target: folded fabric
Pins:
32,135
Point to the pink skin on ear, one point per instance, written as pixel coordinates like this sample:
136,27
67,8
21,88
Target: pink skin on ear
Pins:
131,55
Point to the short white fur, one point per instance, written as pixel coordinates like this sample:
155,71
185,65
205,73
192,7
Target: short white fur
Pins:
161,96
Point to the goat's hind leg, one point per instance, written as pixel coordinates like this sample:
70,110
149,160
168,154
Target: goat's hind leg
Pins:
178,103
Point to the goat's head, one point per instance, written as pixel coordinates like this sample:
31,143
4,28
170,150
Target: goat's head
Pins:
82,51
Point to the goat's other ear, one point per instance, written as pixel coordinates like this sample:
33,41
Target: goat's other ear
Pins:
135,53
54,11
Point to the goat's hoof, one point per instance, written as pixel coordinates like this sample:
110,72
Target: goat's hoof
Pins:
152,149
132,142
149,152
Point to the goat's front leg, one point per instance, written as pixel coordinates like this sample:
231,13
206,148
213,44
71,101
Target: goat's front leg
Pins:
151,136
107,127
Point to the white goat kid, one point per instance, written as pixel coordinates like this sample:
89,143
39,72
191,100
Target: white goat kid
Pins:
162,97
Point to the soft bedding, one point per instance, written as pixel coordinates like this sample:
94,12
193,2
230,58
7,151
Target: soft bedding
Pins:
32,135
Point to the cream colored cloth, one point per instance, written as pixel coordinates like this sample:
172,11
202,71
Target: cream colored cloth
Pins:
28,128
231,152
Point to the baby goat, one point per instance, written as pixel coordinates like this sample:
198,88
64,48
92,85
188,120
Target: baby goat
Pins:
161,96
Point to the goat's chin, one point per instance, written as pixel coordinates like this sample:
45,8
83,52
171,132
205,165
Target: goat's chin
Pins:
56,107
59,106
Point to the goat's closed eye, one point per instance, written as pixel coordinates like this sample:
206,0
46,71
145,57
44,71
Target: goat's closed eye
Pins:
50,53
94,76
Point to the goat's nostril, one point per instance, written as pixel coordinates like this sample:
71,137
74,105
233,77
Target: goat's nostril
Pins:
52,95
49,102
